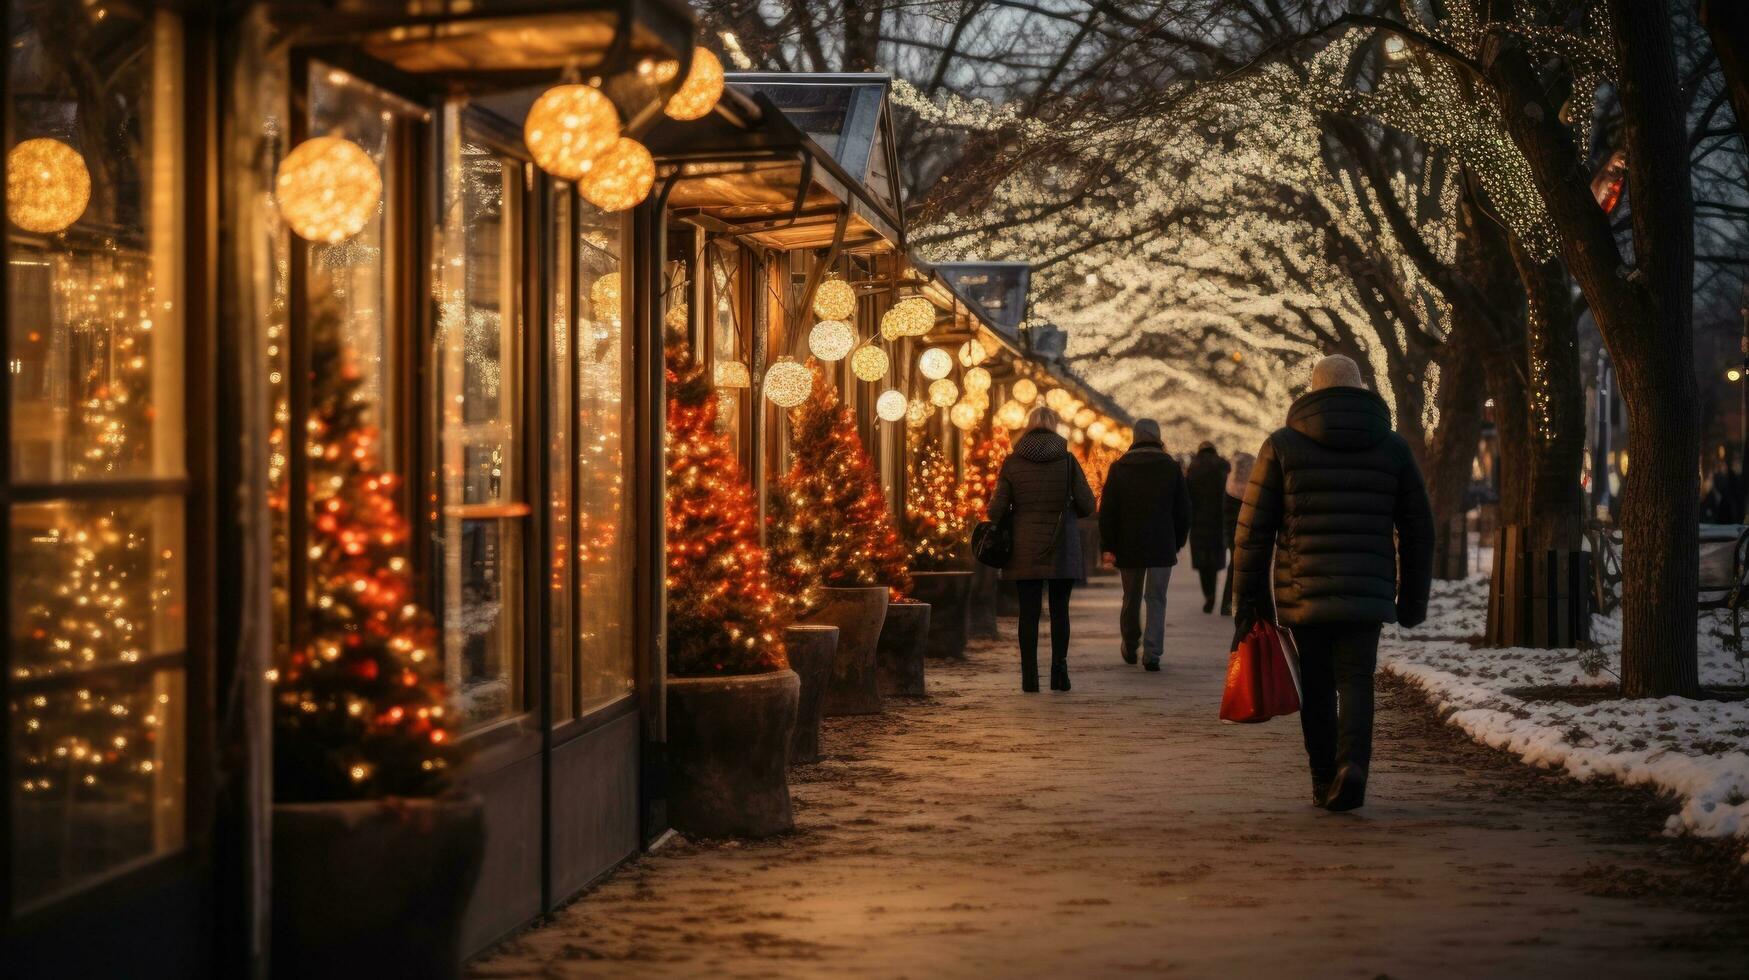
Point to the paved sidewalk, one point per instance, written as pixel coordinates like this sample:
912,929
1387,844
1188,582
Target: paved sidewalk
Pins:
1121,830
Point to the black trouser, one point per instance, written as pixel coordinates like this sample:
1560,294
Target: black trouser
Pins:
1227,589
1336,667
1209,577
1032,592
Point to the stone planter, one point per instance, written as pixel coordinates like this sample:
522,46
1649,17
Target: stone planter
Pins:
858,613
949,596
728,752
981,604
810,649
374,888
899,654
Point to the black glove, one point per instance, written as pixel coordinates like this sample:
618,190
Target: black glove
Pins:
1244,617
1410,617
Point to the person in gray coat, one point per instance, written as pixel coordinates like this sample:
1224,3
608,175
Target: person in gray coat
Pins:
1042,488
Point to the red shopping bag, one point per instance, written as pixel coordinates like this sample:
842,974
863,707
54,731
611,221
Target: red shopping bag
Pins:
1262,680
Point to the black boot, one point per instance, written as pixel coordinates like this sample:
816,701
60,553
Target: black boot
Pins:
1059,675
1321,788
1348,791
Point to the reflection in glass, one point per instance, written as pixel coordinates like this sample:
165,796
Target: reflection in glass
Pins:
558,400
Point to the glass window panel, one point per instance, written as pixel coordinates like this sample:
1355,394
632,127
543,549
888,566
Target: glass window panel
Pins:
95,282
722,259
559,453
602,513
484,515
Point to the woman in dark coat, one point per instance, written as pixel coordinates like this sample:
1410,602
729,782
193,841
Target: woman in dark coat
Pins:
1207,477
1230,504
1047,492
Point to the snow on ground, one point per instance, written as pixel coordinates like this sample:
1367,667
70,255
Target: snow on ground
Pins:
1695,751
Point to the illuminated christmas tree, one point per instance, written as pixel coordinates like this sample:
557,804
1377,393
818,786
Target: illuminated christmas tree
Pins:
989,448
357,712
724,617
829,523
935,508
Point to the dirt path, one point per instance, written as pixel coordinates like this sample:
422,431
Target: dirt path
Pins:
1121,830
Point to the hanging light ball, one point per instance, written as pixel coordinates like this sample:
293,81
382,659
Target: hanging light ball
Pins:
834,300
831,340
620,178
869,363
1097,430
702,88
964,415
979,400
1057,399
1085,417
47,185
327,189
943,393
732,374
917,412
1012,414
604,295
977,379
568,127
1071,409
1113,439
935,363
972,353
787,383
918,317
893,324
1024,391
890,406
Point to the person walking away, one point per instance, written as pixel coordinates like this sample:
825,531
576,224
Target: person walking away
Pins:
1041,485
1207,477
1338,507
1231,501
1144,519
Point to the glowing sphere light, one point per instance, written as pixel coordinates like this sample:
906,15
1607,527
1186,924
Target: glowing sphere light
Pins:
604,295
917,412
834,300
964,415
1012,414
732,374
327,189
831,340
568,127
935,363
620,178
702,88
972,353
890,406
47,185
1057,399
943,393
977,379
1085,417
1025,391
869,363
788,384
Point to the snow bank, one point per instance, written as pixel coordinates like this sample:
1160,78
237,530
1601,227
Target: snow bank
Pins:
1696,751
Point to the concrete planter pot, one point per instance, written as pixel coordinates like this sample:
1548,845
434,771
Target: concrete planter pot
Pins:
858,613
811,649
728,753
374,888
981,604
949,596
899,654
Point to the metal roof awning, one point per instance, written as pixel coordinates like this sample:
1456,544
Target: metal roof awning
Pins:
998,290
748,170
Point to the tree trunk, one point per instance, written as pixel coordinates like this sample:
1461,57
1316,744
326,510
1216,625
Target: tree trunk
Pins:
1554,505
1453,451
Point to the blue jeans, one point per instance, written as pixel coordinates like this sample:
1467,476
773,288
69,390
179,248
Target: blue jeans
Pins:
1144,586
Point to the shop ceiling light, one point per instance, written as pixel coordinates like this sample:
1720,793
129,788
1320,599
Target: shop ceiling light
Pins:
869,363
47,185
1025,391
732,374
891,405
702,88
787,383
620,178
831,340
943,393
835,300
327,189
935,363
964,415
568,127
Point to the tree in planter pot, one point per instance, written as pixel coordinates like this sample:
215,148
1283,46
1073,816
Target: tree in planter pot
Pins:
990,447
837,554
373,863
732,699
938,522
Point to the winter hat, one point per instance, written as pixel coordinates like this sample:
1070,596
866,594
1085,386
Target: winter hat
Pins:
1336,371
1147,430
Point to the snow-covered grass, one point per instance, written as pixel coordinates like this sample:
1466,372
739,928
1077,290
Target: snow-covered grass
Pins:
1695,751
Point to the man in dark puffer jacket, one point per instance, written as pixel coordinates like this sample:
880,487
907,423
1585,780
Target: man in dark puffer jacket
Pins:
1144,519
1325,497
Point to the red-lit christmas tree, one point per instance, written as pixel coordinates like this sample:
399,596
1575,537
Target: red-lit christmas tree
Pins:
989,448
724,617
935,509
357,712
829,521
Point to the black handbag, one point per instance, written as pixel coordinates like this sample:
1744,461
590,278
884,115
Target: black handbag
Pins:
993,541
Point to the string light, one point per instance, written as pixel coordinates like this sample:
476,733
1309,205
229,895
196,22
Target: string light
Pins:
787,383
831,340
568,127
890,406
327,189
618,178
869,363
702,88
943,393
834,300
47,185
935,363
